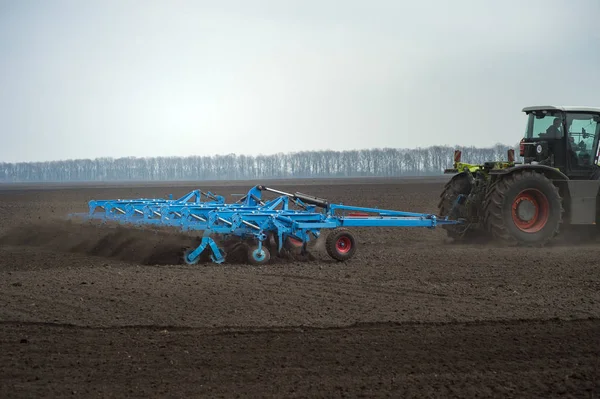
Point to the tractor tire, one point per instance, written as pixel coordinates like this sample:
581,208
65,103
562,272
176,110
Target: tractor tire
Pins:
523,208
459,184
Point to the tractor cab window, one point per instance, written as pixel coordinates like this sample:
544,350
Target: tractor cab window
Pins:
545,126
582,138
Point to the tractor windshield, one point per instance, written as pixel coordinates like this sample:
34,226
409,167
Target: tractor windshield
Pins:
583,137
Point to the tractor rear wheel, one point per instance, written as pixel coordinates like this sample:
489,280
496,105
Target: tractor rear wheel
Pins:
458,185
524,208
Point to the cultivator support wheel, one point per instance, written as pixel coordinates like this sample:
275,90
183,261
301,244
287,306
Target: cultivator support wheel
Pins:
340,244
258,255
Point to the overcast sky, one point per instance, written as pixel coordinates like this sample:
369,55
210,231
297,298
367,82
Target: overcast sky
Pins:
86,79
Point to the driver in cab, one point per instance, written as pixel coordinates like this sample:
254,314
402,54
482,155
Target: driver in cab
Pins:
554,131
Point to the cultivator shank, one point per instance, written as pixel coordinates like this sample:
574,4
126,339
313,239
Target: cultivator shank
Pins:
291,219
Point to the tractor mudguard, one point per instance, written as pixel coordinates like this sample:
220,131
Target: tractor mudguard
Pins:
548,171
465,174
457,175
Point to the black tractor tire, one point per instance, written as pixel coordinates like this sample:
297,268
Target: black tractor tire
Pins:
523,208
459,184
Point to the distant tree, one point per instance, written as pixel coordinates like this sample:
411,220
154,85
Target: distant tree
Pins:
386,162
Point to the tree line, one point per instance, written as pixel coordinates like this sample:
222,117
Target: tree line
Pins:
378,162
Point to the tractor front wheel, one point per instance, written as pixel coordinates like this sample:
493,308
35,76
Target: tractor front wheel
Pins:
458,185
524,208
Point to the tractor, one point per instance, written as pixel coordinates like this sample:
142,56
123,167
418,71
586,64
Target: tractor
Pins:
528,203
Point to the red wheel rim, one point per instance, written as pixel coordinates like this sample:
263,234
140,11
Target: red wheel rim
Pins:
343,245
530,211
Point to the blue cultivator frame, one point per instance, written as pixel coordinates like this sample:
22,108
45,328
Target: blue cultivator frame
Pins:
287,221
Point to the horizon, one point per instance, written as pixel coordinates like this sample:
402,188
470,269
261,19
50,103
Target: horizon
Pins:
195,78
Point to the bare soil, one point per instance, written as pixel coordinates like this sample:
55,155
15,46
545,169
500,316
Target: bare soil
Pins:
92,310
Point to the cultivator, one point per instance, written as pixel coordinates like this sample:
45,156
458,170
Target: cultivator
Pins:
288,220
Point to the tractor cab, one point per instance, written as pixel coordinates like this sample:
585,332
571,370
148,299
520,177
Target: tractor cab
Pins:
565,138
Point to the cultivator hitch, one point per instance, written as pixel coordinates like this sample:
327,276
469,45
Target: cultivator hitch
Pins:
286,222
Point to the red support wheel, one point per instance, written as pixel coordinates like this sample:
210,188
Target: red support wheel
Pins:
340,244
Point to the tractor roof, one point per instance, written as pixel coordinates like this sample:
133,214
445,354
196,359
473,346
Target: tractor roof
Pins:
568,108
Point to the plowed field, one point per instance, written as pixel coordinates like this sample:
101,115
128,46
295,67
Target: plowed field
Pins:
104,311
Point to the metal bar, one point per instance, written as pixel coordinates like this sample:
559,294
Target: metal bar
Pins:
251,225
390,222
264,188
316,225
383,212
227,222
198,218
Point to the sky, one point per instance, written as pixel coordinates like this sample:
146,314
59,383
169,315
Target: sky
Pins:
118,78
